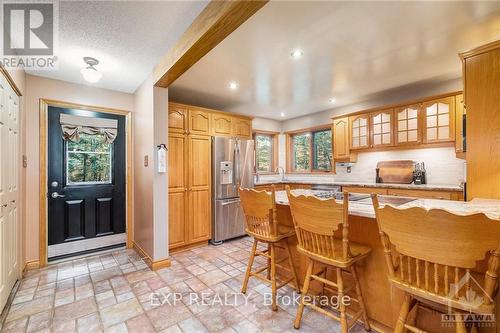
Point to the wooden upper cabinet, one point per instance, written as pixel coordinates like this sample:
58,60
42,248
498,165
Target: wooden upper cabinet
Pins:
340,130
221,124
242,128
177,152
359,131
382,125
199,122
439,120
459,128
177,118
407,126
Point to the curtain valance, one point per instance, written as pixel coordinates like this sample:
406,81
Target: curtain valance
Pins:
72,126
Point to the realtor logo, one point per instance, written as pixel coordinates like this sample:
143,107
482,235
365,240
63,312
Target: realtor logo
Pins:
473,298
28,29
29,34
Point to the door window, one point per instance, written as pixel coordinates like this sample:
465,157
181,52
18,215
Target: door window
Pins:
88,161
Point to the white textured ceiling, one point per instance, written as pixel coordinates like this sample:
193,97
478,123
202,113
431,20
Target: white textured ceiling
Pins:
128,38
352,50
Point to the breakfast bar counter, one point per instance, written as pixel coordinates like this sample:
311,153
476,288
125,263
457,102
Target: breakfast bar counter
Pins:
383,302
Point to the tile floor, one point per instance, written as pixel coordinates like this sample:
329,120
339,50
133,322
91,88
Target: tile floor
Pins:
116,292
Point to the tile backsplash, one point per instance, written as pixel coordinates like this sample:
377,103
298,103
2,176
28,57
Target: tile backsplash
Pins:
443,168
441,164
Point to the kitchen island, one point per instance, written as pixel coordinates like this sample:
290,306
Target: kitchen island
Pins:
383,302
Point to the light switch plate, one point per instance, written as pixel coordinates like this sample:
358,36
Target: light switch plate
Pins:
146,161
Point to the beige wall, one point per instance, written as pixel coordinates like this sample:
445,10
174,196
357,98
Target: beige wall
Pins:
151,187
160,186
143,176
264,124
37,88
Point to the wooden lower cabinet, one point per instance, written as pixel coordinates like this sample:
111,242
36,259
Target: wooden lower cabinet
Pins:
177,233
427,194
281,186
299,186
441,195
199,216
190,216
268,187
368,190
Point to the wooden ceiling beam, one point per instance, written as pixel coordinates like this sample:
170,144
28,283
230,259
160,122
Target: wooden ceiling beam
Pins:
217,21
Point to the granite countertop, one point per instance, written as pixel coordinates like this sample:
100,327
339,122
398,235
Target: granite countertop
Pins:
364,207
428,187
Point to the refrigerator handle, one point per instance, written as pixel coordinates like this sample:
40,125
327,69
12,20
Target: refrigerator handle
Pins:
238,166
235,179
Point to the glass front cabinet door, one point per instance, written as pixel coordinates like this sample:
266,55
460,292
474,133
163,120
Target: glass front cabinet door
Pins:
359,131
382,128
407,127
439,120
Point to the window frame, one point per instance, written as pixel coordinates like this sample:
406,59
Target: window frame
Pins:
289,150
274,151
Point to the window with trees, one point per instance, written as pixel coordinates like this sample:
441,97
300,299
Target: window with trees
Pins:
88,161
311,151
265,152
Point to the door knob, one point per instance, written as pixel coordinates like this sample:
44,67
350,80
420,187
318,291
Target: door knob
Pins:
56,195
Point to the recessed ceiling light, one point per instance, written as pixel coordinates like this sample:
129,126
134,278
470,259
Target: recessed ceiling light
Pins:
90,73
297,53
282,114
233,85
332,100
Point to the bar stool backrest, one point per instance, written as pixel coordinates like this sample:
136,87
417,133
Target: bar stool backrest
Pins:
435,252
259,208
316,222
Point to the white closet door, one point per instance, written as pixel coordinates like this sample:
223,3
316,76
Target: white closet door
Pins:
9,189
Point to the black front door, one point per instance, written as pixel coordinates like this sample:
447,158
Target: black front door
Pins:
86,184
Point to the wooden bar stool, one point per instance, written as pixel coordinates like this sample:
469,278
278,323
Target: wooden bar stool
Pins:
259,208
432,257
316,223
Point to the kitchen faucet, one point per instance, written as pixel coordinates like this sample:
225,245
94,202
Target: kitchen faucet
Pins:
281,172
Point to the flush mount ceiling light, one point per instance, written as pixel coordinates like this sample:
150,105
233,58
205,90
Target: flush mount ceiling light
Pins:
297,53
90,73
282,114
332,100
233,85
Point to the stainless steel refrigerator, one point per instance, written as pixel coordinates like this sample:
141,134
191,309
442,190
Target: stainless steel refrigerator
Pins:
232,167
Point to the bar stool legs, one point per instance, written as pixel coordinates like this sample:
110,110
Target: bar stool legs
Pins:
340,287
341,290
290,263
249,267
366,321
271,274
273,278
305,289
403,314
